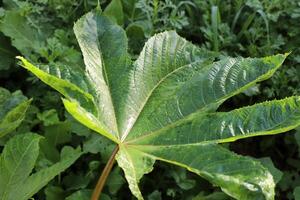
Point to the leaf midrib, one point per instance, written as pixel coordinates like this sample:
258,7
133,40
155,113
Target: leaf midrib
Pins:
20,34
239,90
106,79
15,169
268,131
200,172
57,166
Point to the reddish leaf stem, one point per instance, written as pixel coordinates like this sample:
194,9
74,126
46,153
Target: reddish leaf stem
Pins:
101,181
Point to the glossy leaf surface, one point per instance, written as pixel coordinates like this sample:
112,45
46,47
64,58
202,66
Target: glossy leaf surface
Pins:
163,106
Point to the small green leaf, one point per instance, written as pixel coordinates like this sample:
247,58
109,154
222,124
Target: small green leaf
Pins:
98,144
54,193
13,108
49,117
80,195
115,181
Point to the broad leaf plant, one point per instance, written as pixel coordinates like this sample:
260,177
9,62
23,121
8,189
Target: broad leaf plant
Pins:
163,106
17,161
20,153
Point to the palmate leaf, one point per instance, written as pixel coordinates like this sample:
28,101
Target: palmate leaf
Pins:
163,105
17,161
13,107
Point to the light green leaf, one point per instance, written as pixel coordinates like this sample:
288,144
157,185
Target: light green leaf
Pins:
196,88
162,69
276,173
163,106
218,127
135,165
17,162
86,118
48,117
104,48
69,82
8,101
98,144
13,108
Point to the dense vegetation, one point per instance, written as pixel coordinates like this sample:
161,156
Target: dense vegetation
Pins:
42,31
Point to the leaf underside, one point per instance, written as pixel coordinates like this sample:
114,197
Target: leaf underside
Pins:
163,106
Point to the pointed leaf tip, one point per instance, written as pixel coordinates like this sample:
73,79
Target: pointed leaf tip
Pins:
159,104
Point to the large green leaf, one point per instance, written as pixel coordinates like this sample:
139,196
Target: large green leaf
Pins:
25,37
12,110
17,162
163,106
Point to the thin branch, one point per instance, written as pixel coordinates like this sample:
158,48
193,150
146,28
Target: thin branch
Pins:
101,181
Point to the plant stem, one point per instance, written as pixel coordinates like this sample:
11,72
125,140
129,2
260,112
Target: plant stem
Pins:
101,181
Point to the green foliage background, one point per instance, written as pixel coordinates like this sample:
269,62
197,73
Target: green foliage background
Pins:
42,31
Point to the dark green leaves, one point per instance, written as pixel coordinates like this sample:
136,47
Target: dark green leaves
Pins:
7,53
17,162
163,106
12,110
